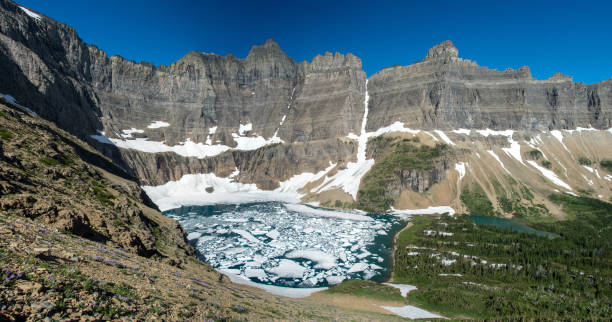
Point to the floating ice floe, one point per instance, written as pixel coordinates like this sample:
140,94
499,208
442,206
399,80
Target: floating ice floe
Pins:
306,210
232,238
323,260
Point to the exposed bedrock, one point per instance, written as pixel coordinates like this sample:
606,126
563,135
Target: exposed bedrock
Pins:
264,167
447,92
308,105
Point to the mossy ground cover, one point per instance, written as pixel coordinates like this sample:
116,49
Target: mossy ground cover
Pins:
506,274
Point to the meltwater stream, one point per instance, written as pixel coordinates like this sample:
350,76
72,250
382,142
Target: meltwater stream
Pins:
290,245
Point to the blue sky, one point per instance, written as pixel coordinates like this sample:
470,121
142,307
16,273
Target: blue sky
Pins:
571,37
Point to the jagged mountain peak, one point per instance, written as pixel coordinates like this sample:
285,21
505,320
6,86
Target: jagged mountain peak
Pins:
269,48
443,49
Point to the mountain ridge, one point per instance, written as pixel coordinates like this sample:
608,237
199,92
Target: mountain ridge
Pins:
208,113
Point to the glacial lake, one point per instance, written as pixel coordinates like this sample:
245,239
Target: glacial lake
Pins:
291,245
510,224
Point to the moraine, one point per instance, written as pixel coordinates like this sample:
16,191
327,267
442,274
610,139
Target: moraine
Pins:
290,245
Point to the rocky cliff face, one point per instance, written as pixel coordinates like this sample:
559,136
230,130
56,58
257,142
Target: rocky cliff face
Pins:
446,92
208,113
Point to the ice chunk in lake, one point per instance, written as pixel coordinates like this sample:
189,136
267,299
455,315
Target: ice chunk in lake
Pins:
192,236
288,269
324,260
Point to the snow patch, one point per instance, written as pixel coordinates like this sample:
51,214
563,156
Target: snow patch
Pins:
412,312
498,160
30,13
245,128
460,167
13,101
186,149
559,136
444,137
101,138
550,175
462,131
395,127
404,288
157,125
128,133
191,190
407,213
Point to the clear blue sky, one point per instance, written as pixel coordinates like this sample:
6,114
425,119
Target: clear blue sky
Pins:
571,37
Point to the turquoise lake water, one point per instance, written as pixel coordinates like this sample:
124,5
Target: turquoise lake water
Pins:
510,224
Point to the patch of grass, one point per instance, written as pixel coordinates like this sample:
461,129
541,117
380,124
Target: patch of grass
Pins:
535,154
477,202
606,164
5,134
546,164
50,162
102,195
584,161
367,289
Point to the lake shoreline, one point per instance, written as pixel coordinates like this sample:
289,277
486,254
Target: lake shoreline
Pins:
395,237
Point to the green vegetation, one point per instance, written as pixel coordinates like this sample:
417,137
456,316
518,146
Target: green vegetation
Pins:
102,195
535,154
584,161
499,273
5,134
477,201
606,164
50,162
399,155
367,289
546,164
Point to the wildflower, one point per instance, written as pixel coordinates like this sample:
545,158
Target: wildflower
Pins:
19,275
50,278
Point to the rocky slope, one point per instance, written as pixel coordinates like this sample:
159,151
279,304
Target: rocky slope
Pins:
275,120
79,240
